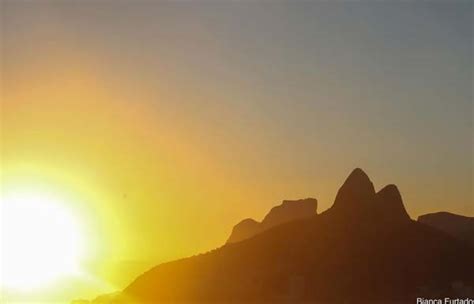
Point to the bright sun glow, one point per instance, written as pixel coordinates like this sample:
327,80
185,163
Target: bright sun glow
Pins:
40,240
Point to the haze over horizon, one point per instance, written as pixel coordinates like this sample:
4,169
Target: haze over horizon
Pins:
167,123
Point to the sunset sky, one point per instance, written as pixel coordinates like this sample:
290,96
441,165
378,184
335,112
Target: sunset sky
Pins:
161,125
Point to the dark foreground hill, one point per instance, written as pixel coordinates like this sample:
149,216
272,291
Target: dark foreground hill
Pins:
458,226
363,249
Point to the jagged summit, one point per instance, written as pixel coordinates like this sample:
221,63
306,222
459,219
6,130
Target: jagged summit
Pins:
357,197
287,211
366,250
356,192
358,172
290,210
390,204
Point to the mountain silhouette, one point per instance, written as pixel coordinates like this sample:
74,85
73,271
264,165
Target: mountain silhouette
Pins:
365,248
356,195
458,226
357,198
289,210
390,205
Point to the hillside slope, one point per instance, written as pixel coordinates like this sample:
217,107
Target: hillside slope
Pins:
363,249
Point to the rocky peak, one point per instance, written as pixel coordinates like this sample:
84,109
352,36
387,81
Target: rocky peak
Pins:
356,192
357,197
288,210
390,205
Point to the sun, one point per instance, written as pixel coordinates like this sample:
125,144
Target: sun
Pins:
41,241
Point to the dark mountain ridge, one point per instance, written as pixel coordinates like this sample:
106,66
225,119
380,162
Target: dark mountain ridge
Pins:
365,248
458,226
289,210
357,198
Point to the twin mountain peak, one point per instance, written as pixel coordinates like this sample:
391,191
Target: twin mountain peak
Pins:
363,249
356,199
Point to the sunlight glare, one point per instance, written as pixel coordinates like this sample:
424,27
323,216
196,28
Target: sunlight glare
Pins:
40,239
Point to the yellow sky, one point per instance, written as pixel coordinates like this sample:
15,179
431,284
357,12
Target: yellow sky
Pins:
162,138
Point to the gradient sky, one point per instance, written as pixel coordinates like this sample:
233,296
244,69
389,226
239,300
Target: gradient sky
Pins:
167,123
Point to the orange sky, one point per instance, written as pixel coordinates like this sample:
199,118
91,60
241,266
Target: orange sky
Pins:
164,135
